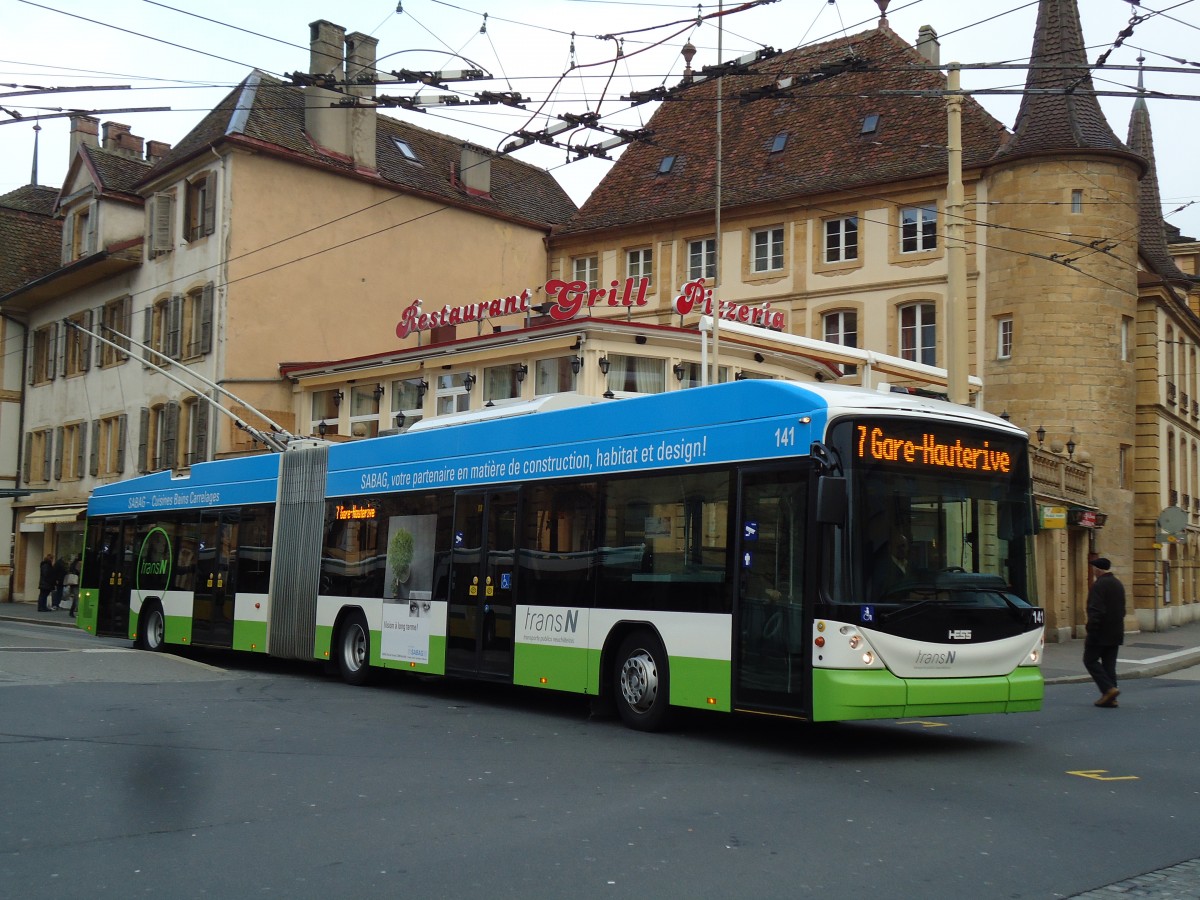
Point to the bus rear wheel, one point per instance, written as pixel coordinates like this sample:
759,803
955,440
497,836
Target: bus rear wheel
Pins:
151,628
354,650
642,682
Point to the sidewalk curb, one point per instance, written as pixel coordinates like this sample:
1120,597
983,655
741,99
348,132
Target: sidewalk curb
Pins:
1128,672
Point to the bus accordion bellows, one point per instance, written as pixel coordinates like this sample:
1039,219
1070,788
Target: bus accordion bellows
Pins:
812,551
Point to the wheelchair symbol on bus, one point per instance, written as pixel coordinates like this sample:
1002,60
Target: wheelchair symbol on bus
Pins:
867,614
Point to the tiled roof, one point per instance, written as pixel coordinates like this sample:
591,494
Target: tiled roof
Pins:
1068,118
118,173
826,148
276,118
1152,240
30,238
34,198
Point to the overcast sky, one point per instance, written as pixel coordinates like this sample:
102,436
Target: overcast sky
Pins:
185,55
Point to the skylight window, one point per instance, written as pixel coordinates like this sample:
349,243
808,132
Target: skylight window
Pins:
870,124
668,162
405,150
779,143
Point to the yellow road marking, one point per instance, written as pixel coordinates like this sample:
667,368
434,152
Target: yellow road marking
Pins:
1098,775
923,724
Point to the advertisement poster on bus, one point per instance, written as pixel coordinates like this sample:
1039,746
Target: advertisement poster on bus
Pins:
407,588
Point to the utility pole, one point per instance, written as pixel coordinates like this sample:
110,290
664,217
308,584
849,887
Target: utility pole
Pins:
716,327
956,248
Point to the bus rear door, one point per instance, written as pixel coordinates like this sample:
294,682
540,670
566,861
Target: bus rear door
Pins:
480,621
115,559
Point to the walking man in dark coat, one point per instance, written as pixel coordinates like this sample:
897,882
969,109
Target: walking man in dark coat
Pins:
1105,630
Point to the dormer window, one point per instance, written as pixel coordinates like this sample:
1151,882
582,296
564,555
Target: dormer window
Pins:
405,150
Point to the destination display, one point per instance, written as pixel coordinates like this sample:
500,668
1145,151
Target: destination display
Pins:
931,447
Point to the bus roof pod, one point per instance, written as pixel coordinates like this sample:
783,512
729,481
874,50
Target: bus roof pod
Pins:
508,409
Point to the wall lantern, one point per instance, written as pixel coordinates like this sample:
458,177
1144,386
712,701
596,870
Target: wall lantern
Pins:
1041,436
469,382
321,429
679,369
422,387
740,376
378,392
338,396
522,371
576,364
1071,448
400,419
604,365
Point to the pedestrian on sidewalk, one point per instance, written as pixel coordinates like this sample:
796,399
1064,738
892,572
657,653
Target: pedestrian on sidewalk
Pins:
60,577
1105,630
45,581
72,585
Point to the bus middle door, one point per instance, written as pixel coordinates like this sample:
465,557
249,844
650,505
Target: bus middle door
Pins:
115,559
482,604
216,568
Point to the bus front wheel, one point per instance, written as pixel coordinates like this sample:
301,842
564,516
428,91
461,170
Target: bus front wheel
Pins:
151,627
354,650
642,682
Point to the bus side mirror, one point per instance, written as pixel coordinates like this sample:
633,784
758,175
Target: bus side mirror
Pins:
831,500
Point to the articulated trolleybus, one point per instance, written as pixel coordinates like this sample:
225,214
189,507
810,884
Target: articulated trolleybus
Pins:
825,553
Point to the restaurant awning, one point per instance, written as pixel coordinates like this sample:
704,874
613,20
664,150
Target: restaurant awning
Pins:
49,515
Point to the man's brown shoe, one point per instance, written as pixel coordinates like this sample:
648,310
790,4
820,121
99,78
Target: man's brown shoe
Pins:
1109,699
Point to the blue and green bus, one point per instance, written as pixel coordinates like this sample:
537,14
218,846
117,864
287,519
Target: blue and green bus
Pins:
803,550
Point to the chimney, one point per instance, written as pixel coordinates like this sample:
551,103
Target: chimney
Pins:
475,170
324,122
928,45
84,130
129,145
360,67
156,150
112,133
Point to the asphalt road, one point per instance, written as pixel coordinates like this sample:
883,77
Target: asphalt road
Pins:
215,775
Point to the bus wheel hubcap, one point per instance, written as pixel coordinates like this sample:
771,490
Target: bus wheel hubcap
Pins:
356,647
639,681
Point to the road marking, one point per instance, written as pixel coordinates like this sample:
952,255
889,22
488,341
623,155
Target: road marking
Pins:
1158,659
1099,775
924,724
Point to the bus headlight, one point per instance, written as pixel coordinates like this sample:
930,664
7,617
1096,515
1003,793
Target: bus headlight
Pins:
868,658
855,641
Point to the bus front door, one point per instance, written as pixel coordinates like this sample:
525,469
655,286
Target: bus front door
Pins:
115,558
216,570
772,622
479,638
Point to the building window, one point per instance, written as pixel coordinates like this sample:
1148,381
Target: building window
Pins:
1127,338
39,445
79,233
693,375
42,361
108,445
325,406
918,229
202,206
408,401
640,263
160,212
702,259
156,328
364,410
841,239
841,327
157,444
197,322
555,375
454,393
1004,337
116,318
79,343
405,150
502,383
1076,201
635,374
193,432
587,270
767,248
918,333
666,164
69,450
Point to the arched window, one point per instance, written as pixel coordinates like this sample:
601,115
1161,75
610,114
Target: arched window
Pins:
841,327
918,333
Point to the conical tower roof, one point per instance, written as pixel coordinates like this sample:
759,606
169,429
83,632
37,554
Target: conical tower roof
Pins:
1059,110
1152,239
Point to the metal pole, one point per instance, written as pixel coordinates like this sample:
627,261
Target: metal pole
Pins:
716,331
956,248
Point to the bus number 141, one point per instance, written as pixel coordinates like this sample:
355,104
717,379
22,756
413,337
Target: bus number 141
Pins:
785,437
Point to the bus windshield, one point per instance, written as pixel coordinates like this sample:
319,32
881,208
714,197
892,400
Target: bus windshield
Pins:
937,512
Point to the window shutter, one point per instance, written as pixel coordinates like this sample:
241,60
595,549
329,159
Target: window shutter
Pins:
85,345
47,454
206,318
30,355
68,229
89,238
209,223
148,334
51,351
94,467
98,324
162,211
143,441
172,346
80,447
63,347
125,326
170,437
27,463
200,438
122,434
58,451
